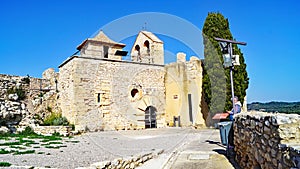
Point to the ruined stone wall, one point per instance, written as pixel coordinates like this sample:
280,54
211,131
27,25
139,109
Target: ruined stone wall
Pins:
12,109
183,83
49,130
18,96
96,93
265,140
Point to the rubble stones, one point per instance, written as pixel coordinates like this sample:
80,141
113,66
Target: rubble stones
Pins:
127,162
3,130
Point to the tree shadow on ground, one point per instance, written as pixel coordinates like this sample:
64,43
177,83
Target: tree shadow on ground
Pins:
222,151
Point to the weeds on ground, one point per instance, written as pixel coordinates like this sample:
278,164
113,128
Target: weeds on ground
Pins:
28,138
5,164
24,152
3,151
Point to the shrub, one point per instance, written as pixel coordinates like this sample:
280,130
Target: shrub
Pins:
26,80
49,109
60,121
55,119
28,132
72,126
10,91
20,92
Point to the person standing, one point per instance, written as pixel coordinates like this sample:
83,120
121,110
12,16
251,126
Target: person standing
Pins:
236,108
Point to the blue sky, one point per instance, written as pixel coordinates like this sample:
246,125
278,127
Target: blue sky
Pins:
36,35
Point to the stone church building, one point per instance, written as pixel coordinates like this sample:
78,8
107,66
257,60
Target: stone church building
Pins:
98,90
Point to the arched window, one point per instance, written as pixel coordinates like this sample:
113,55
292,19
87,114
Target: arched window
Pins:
137,47
146,44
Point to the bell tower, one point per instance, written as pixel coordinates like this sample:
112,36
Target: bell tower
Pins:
148,48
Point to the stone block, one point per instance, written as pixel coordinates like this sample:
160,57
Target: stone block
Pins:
181,57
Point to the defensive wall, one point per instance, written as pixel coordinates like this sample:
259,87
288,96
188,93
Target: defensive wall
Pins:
267,140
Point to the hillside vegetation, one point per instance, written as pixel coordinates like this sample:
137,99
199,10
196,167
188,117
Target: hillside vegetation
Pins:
280,107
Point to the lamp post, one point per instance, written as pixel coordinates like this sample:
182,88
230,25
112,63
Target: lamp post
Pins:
230,60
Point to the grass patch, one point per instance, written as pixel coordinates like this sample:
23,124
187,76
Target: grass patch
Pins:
11,143
26,142
27,138
17,147
2,151
5,164
52,142
50,138
72,141
24,152
53,147
55,142
6,138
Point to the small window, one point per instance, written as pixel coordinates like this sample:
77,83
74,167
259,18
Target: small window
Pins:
98,98
105,50
134,92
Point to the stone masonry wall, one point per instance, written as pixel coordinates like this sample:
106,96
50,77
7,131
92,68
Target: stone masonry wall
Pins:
95,94
265,140
155,53
183,81
49,130
18,96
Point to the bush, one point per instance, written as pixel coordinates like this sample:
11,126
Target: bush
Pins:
28,132
56,119
49,109
20,92
26,80
61,121
10,91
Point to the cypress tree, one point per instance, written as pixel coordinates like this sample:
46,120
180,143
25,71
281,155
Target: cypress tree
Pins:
216,79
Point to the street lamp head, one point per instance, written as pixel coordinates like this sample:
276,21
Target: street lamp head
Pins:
224,47
230,41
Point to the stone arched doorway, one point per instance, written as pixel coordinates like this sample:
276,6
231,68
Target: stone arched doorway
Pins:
150,117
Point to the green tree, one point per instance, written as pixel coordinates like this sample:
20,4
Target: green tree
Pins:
216,79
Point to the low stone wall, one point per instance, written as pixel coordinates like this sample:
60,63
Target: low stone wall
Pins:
126,163
49,130
265,140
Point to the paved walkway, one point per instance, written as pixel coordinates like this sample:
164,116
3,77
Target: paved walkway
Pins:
201,151
182,148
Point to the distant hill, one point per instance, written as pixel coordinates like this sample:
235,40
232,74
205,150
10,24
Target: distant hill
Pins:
280,107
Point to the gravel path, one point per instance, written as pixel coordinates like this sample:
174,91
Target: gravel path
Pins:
100,146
